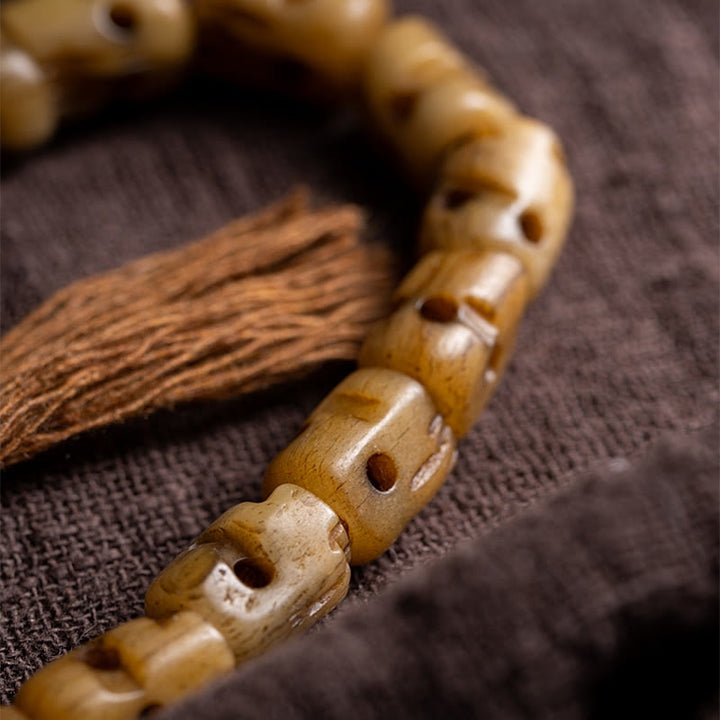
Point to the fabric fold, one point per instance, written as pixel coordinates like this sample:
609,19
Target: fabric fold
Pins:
602,602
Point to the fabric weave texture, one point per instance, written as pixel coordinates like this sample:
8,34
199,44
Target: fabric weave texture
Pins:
618,353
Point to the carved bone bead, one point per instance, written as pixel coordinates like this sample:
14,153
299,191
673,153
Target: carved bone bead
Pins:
454,329
260,572
425,96
102,38
376,451
139,665
69,57
511,192
328,37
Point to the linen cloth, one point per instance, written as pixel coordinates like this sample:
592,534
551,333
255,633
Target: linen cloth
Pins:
618,352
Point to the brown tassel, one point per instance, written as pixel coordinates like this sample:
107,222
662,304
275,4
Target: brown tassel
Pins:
264,299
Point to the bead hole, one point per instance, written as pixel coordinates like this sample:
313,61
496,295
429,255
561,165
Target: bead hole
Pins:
439,308
123,18
102,658
253,573
531,226
381,471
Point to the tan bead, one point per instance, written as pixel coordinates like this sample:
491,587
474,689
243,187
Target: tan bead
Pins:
140,665
260,572
28,104
425,96
510,192
102,38
454,329
328,37
376,451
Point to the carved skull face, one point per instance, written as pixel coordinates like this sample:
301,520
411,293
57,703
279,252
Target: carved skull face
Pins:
261,571
138,666
509,192
102,37
454,329
376,450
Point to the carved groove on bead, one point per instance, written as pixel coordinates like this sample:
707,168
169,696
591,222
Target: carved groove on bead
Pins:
426,97
260,571
376,450
509,193
139,665
453,329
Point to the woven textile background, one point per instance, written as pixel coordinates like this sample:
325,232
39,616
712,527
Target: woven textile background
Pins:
619,350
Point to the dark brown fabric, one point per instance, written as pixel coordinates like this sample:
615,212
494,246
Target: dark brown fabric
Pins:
619,350
599,604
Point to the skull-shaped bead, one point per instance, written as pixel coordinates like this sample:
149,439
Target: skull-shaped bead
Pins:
510,192
453,330
260,572
376,450
80,54
139,665
425,96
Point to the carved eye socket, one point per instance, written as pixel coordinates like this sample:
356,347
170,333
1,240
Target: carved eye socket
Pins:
118,21
253,573
439,308
122,17
531,226
381,471
102,658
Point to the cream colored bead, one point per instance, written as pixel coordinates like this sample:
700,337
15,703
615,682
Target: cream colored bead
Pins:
327,37
454,329
28,104
102,37
137,666
376,451
510,192
261,571
425,96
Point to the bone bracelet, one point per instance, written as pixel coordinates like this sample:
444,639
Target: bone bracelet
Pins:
381,443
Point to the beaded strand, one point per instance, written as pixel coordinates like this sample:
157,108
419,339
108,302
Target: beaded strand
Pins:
381,443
